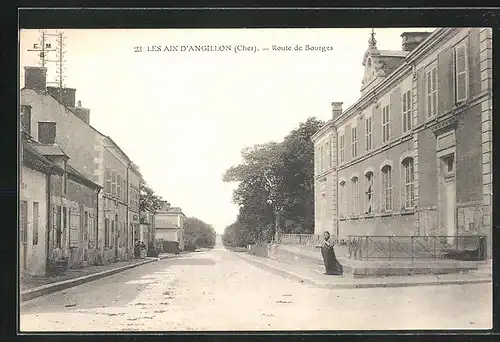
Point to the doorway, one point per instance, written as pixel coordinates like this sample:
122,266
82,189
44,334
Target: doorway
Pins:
449,197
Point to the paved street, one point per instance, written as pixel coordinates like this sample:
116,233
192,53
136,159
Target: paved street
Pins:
216,290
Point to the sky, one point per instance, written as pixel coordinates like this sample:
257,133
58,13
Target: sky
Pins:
184,116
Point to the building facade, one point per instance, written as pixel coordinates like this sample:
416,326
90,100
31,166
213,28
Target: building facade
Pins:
412,157
169,224
91,154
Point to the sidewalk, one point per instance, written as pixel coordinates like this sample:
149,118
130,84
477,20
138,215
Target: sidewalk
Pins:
315,277
35,286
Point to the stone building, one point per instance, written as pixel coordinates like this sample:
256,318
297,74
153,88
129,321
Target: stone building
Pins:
169,224
92,154
412,156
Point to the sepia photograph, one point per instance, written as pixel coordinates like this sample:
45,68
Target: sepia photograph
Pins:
259,179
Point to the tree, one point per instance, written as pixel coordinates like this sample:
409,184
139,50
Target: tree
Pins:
148,199
198,233
275,178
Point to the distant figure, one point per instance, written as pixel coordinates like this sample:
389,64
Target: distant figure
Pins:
332,265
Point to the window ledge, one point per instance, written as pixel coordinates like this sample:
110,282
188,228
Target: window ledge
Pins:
354,217
369,215
386,214
407,211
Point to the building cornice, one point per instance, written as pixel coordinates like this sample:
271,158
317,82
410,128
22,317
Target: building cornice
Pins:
321,131
429,44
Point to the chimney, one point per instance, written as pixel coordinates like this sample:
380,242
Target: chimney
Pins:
410,40
67,97
35,78
336,109
82,113
47,132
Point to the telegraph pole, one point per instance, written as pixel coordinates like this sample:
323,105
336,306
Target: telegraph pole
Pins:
43,47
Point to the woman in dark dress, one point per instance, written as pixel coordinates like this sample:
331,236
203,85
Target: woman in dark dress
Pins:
332,266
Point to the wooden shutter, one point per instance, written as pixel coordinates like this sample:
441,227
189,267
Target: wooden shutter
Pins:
460,73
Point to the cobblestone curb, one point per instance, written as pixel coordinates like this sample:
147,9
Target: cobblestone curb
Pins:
353,285
62,285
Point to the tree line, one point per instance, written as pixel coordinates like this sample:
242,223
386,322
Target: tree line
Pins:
275,187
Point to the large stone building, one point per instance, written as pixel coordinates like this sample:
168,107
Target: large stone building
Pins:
412,156
92,154
169,224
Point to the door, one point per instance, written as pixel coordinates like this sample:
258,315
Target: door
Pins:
450,209
23,232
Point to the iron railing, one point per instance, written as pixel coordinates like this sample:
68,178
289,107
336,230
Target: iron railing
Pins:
382,247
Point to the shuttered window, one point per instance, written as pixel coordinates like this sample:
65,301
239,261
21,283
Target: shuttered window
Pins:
387,188
36,218
23,222
342,149
431,86
368,128
107,185
355,195
406,111
385,124
461,73
369,192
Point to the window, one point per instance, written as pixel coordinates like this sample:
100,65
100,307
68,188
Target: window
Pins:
385,124
431,85
460,73
106,232
65,180
113,183
26,118
47,132
58,230
119,186
124,190
354,141
35,223
387,187
368,129
65,225
111,242
342,199
355,195
342,148
86,225
406,111
409,183
368,192
23,222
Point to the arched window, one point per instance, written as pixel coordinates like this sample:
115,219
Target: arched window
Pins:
355,195
368,192
342,198
409,181
387,188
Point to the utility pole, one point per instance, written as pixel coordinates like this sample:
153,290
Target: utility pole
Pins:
43,47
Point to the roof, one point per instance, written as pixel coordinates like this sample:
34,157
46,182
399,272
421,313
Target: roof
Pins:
82,179
49,149
34,159
393,53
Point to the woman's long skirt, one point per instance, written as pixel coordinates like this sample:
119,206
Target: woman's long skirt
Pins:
332,265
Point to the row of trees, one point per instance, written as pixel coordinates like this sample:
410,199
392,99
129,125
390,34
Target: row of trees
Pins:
275,182
198,234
